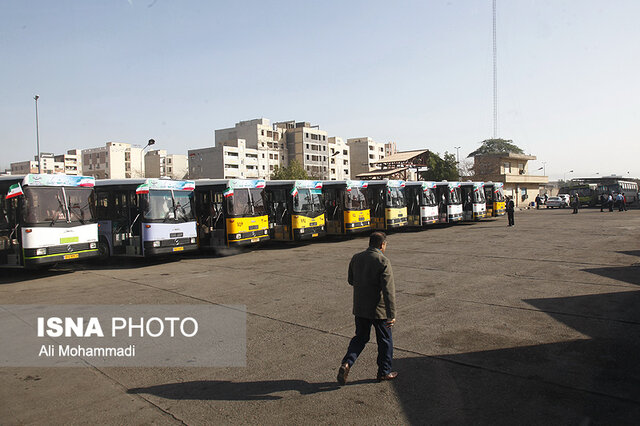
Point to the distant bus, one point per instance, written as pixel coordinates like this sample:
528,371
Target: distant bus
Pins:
145,217
347,207
422,206
474,204
387,202
628,188
296,210
449,202
231,212
47,219
494,195
587,192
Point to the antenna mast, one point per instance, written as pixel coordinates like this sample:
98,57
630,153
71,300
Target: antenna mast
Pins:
495,76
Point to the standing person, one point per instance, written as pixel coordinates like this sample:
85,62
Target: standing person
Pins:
374,303
510,210
603,201
624,202
576,203
610,202
538,202
620,201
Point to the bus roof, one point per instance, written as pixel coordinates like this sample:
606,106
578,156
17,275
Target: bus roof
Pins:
151,183
449,184
33,179
423,183
347,183
388,183
302,184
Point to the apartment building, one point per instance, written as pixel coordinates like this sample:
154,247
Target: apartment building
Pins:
233,160
339,160
115,160
24,167
390,148
364,152
308,145
51,163
260,135
157,164
69,163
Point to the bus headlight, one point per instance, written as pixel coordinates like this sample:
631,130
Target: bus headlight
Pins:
41,251
193,240
238,236
302,230
93,245
156,243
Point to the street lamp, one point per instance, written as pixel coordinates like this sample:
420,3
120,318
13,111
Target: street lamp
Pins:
458,158
36,97
151,142
565,175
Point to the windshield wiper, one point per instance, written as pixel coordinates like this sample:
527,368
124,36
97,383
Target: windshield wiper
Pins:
55,214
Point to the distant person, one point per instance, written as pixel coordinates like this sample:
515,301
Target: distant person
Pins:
510,210
546,198
538,200
603,202
620,201
610,202
374,303
624,202
576,203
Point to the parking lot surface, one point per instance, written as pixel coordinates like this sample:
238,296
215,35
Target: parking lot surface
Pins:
535,324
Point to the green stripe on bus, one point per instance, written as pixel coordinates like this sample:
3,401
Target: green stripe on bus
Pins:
61,254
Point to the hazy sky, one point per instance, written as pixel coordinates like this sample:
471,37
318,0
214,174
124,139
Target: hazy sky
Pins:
418,73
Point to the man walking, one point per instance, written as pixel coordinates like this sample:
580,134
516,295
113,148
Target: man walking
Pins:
510,210
374,303
576,203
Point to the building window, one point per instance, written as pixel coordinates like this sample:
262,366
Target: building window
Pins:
507,167
306,135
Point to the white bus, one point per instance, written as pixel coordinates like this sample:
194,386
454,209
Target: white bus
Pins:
145,217
474,203
47,219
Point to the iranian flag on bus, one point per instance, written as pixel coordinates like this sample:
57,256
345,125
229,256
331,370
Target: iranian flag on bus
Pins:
14,191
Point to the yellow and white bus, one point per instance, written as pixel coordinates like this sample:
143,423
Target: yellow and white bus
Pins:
449,203
494,195
474,204
230,212
296,210
47,219
347,208
422,207
387,204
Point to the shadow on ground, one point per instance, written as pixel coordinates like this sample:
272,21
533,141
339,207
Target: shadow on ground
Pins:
234,391
583,381
11,276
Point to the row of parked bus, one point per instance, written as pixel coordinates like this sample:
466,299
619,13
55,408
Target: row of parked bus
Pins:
49,219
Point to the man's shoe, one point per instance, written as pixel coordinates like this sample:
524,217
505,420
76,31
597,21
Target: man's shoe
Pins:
343,372
389,376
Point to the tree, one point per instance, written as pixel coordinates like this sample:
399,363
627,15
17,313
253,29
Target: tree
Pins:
497,146
441,168
294,171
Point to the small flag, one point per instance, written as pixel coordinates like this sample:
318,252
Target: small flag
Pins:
228,192
402,184
261,184
143,189
14,191
365,184
294,191
189,186
318,185
87,182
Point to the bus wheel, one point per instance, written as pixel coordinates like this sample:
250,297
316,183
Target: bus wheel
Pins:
103,250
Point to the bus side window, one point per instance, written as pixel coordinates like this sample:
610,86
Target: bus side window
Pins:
217,210
102,205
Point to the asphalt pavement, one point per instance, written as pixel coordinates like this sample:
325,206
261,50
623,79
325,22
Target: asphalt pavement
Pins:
533,324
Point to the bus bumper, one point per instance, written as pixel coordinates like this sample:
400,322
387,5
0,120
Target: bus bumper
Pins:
175,249
247,238
300,234
396,223
37,261
429,220
354,228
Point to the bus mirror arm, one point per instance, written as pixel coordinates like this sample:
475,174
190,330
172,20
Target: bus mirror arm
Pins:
133,223
13,231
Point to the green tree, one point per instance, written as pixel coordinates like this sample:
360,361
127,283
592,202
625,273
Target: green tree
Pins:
497,146
294,171
441,168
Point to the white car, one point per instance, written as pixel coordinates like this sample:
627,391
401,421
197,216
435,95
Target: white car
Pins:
566,198
558,202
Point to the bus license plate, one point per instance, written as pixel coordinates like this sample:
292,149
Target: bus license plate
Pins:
255,240
314,235
71,256
313,224
178,248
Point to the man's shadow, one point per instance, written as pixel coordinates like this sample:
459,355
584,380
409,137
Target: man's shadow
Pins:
224,390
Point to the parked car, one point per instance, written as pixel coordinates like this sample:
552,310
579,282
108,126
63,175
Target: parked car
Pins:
558,202
566,198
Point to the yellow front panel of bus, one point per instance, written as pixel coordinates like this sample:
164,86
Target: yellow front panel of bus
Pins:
397,215
499,208
240,225
357,216
299,221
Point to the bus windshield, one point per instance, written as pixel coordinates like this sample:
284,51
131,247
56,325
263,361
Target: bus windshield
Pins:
428,198
168,206
356,200
307,200
395,197
478,196
498,195
50,206
453,196
246,202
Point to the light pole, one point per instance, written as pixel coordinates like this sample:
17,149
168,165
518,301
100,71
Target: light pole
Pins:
565,175
36,97
544,168
151,142
458,158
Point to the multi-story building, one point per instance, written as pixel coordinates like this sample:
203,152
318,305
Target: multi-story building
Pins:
158,163
69,163
339,161
364,152
115,160
390,148
233,160
513,170
24,167
260,135
307,145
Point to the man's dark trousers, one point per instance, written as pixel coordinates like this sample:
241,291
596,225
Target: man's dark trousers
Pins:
510,217
383,337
